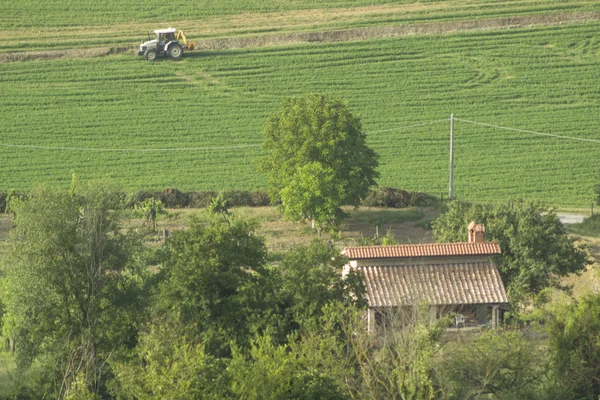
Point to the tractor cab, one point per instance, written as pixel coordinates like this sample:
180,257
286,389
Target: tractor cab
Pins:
166,43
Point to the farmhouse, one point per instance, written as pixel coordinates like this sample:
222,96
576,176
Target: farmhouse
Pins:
456,278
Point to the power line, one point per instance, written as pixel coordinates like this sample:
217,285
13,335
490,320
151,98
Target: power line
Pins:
24,146
409,126
144,150
526,131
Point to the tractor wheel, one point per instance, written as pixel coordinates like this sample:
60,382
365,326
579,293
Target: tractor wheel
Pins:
175,51
150,55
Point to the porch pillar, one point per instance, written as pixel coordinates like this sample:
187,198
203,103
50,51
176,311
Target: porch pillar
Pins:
495,316
432,314
371,320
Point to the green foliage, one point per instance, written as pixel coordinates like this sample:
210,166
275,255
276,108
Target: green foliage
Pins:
73,283
315,145
279,372
79,391
314,193
150,209
536,250
311,277
387,197
219,205
396,361
387,240
211,282
574,337
498,365
521,78
167,366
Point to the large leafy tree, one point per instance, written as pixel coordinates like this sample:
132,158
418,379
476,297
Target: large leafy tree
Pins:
311,277
72,288
315,144
536,250
212,283
574,338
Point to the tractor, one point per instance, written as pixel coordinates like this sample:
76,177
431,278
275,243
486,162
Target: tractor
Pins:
168,43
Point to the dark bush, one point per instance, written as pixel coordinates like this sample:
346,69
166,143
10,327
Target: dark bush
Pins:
387,197
201,199
420,199
260,198
173,198
3,202
132,199
238,198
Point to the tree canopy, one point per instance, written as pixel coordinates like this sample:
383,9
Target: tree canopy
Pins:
211,282
536,249
316,147
72,281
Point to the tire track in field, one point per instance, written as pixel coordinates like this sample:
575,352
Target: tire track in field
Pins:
343,35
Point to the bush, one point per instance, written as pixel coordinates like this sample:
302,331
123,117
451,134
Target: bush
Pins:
419,199
260,199
134,198
173,198
201,199
3,197
387,197
238,198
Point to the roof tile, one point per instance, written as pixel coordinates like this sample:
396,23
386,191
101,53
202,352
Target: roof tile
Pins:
422,250
437,284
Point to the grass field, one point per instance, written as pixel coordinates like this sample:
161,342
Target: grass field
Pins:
69,13
29,25
118,108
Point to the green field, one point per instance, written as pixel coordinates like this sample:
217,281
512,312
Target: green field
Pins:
146,125
64,13
29,25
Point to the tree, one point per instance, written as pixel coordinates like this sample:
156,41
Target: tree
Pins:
211,283
314,143
536,250
150,209
311,277
273,372
574,338
313,193
492,365
72,287
165,365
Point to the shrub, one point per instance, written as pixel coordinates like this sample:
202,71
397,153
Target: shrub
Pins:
201,199
173,198
134,198
3,197
420,199
260,198
387,197
238,198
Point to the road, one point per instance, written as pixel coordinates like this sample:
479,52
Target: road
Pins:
571,218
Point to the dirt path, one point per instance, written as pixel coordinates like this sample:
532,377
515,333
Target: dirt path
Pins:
430,28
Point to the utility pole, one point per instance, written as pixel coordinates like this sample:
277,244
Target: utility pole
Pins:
451,183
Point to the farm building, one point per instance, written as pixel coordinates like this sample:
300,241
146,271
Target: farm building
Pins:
457,278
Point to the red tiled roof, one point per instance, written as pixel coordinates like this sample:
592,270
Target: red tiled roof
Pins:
436,284
422,250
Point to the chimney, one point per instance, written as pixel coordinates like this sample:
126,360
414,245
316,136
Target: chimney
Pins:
476,232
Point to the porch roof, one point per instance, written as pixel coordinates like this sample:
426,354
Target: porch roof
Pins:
435,284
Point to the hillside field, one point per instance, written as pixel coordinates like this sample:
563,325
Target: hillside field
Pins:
30,25
196,124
